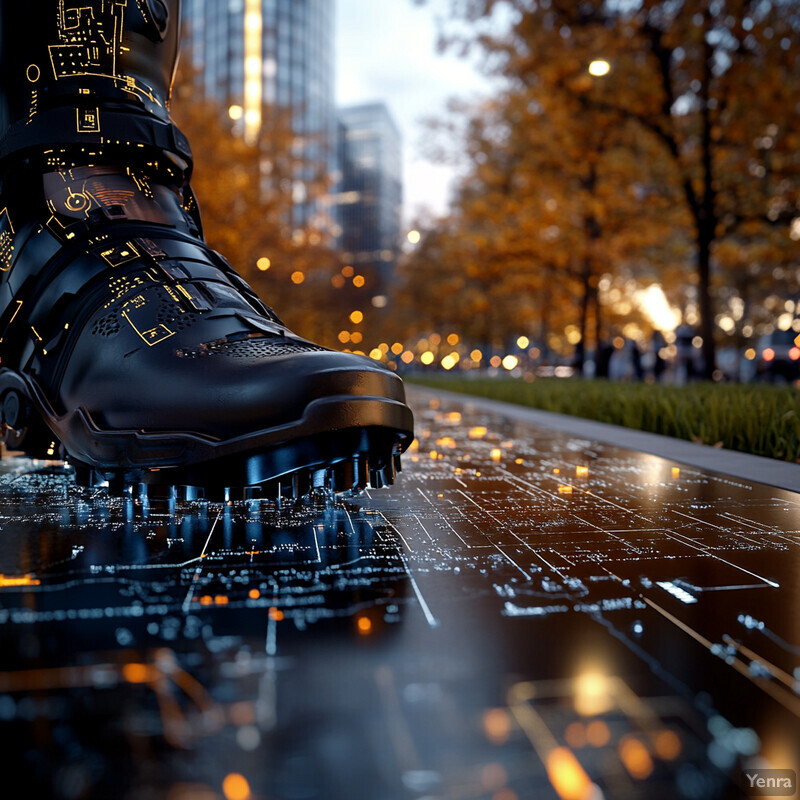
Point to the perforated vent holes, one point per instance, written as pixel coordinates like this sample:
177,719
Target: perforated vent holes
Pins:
170,315
107,325
251,348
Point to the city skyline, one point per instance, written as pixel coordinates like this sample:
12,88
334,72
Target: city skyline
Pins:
396,62
382,53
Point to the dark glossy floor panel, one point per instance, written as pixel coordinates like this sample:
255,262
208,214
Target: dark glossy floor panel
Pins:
524,615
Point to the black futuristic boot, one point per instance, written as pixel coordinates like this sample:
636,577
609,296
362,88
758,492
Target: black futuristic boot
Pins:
127,345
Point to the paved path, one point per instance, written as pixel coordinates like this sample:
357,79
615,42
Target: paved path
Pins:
782,474
527,609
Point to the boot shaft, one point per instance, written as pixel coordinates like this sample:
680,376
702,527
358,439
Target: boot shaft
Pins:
96,73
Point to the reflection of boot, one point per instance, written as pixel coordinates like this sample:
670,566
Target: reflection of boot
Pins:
125,342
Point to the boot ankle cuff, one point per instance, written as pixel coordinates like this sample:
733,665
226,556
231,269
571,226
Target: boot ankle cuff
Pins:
95,128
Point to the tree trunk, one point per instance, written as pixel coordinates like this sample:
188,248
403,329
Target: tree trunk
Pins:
544,324
598,323
706,305
580,349
707,224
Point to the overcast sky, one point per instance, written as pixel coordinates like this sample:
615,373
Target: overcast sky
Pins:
386,51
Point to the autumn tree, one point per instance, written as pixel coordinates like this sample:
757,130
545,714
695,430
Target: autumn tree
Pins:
248,195
548,206
713,82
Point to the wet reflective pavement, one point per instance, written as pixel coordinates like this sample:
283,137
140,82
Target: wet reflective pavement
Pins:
524,615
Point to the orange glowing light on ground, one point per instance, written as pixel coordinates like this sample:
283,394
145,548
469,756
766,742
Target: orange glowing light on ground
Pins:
575,735
497,725
242,713
676,472
564,488
667,745
567,775
581,472
136,673
276,614
497,454
236,787
18,580
598,733
635,757
364,625
478,432
592,694
446,442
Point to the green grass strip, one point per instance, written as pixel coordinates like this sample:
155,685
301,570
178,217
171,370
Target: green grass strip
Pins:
753,418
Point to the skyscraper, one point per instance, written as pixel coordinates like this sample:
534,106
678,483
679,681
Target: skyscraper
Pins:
254,53
370,199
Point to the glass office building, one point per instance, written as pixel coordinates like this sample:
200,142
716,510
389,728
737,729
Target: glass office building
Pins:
252,53
370,200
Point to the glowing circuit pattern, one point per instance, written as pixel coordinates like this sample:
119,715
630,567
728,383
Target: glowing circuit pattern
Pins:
90,44
475,631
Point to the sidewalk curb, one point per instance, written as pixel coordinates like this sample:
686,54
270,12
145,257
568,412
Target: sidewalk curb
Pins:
780,474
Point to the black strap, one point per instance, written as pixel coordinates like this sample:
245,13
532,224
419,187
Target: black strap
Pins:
59,127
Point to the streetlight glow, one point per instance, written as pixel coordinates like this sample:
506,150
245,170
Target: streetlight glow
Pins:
599,67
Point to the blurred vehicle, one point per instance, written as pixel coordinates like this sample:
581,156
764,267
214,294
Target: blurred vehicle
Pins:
778,357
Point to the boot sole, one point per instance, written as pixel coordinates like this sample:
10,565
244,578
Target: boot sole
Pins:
340,444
